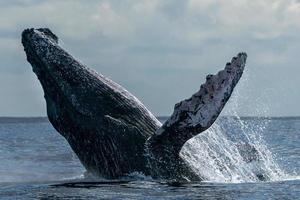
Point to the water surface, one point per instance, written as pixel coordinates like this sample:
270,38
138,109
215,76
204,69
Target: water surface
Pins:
37,163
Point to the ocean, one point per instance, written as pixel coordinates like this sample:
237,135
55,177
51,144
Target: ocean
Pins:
37,163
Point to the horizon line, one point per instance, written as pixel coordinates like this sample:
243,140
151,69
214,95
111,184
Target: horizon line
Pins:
45,119
166,116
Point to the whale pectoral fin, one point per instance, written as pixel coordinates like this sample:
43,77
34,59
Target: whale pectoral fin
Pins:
196,114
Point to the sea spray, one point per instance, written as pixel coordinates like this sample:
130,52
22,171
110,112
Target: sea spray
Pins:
233,149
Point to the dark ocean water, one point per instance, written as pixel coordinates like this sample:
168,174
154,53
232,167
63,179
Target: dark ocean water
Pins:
37,163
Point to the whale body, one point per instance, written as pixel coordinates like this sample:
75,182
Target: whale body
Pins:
110,130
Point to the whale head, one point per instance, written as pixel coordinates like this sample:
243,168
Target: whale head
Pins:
64,80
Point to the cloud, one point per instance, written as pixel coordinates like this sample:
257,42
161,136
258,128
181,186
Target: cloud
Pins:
154,46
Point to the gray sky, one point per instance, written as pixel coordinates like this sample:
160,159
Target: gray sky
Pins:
161,50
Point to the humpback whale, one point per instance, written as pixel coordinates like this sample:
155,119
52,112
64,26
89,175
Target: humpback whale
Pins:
110,130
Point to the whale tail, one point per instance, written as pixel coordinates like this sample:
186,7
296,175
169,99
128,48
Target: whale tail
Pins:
191,117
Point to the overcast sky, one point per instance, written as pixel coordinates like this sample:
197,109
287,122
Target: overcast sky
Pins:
161,50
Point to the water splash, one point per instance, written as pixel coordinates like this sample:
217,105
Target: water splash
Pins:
218,156
233,149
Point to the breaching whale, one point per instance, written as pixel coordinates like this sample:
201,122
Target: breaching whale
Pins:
110,130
